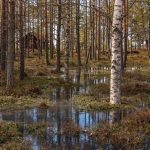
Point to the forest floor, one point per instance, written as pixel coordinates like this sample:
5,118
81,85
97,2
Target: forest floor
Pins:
41,80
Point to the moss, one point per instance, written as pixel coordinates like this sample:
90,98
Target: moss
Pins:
92,103
31,92
22,101
135,87
139,59
102,88
69,128
138,75
130,88
23,88
130,133
140,98
10,136
37,129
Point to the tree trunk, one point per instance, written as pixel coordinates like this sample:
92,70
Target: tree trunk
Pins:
21,67
78,31
11,45
116,53
67,41
51,30
28,44
99,32
3,35
86,31
38,29
125,32
46,34
58,37
149,34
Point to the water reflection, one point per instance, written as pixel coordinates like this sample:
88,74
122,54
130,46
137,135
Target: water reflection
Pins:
83,78
54,119
52,136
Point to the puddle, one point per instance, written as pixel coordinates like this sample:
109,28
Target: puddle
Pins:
56,118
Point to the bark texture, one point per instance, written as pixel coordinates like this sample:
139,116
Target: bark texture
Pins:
3,35
116,53
67,40
21,65
11,45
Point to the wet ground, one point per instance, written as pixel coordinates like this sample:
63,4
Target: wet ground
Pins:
52,135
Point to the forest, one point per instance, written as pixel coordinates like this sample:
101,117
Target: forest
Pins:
74,74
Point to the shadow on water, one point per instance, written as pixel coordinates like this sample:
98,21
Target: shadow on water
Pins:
52,135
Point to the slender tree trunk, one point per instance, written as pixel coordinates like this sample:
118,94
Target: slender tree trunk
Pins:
122,53
149,34
116,53
25,30
103,35
38,29
41,31
99,32
33,28
86,21
125,32
58,37
46,34
78,31
11,45
93,29
91,21
21,67
131,44
28,44
51,30
67,41
3,35
72,30
108,29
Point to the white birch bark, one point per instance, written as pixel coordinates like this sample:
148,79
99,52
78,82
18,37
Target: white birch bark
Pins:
67,40
116,53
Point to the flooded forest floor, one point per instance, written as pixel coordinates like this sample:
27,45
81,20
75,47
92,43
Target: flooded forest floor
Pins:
45,112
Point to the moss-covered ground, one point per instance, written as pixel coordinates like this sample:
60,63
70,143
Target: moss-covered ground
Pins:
130,133
11,137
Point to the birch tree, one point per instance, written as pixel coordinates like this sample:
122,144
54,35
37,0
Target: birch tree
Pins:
116,53
67,40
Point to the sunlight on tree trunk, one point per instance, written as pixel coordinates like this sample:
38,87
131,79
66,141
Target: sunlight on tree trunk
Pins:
116,53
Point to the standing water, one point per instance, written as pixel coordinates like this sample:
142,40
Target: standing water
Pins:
55,121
